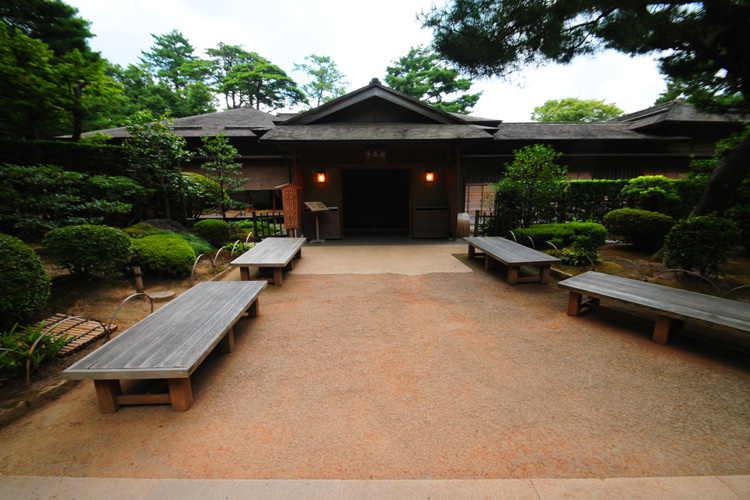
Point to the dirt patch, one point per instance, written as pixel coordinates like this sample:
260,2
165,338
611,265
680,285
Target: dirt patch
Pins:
442,375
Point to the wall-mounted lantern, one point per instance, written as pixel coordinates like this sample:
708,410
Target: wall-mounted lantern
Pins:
429,176
321,176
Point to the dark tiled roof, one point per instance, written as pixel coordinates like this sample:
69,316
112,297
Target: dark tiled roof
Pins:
549,131
233,122
376,131
677,111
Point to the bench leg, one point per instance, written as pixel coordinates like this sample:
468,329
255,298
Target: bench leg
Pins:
662,328
512,275
277,279
574,304
298,255
253,310
245,273
487,263
180,393
472,252
107,392
227,342
544,274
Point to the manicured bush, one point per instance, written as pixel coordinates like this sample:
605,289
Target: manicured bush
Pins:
163,255
701,243
564,234
141,229
87,249
198,244
215,231
645,230
24,284
590,199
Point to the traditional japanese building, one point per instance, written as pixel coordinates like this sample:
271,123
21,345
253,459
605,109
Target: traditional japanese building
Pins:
387,164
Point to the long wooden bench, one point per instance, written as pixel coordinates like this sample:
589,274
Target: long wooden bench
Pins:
672,306
169,344
513,256
271,253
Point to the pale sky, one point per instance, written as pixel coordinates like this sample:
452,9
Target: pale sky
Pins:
362,38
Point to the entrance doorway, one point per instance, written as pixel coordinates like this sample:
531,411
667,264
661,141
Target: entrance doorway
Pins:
375,202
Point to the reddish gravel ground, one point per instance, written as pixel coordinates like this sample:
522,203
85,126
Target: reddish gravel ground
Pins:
442,375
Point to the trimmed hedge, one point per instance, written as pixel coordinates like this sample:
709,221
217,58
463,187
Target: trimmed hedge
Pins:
591,199
72,156
644,229
565,234
24,284
215,231
701,243
163,255
88,249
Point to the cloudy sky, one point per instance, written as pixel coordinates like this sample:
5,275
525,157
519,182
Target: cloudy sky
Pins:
362,38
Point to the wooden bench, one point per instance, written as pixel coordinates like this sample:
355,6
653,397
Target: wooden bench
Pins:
271,253
672,306
169,344
512,255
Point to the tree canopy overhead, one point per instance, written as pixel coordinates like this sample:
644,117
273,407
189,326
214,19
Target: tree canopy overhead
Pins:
702,46
706,43
423,75
573,109
327,81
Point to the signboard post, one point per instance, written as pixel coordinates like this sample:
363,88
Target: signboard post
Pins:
291,207
316,207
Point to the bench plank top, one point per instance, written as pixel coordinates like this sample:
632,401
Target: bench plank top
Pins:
175,339
663,300
271,252
509,252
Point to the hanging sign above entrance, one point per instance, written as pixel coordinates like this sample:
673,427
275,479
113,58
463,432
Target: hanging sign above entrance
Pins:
316,206
375,154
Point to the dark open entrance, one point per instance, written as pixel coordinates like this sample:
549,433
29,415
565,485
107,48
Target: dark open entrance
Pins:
376,202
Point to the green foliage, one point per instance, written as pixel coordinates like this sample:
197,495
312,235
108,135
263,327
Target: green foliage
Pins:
198,244
155,154
240,248
34,199
201,193
215,231
590,234
262,226
16,344
531,184
140,230
573,109
87,249
24,284
163,255
246,78
703,243
644,229
590,199
327,81
222,168
74,157
423,75
657,193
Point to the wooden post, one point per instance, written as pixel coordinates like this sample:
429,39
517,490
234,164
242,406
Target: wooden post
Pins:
574,303
227,342
245,273
487,262
253,310
107,392
472,251
277,278
138,279
513,275
180,393
544,272
661,329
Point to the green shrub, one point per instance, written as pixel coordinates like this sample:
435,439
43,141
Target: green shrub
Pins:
164,255
215,231
141,229
657,193
562,233
24,284
198,244
17,342
87,249
240,248
645,230
701,243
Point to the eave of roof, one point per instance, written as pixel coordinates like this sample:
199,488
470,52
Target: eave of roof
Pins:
551,131
376,131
